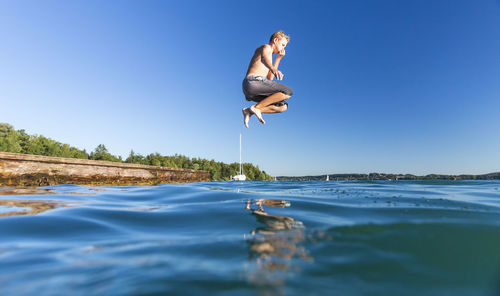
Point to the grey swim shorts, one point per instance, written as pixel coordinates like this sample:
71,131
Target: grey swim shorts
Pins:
256,88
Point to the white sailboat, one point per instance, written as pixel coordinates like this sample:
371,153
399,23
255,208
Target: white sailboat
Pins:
327,178
241,176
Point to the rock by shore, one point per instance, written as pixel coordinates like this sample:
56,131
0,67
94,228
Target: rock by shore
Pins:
18,169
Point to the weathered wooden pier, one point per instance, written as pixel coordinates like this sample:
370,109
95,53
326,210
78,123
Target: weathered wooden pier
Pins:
34,170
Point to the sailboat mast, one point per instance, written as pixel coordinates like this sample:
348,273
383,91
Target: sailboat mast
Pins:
241,170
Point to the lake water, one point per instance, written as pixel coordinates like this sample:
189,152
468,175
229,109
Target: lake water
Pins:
253,238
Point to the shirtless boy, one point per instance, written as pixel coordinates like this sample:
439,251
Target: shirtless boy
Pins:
258,85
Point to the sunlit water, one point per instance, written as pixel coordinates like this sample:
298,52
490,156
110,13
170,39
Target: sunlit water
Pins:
253,238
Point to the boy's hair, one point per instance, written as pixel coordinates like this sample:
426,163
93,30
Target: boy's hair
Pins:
279,35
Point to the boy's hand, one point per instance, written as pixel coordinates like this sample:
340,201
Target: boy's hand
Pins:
281,53
278,75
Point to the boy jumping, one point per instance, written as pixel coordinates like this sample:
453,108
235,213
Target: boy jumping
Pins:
258,85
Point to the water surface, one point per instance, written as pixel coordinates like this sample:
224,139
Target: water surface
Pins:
253,238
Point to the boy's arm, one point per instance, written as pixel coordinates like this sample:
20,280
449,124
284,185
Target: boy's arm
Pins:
267,60
270,74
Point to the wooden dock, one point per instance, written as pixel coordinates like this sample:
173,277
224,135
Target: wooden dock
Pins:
34,170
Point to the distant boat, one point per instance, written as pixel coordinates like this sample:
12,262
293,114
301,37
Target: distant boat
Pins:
241,176
327,178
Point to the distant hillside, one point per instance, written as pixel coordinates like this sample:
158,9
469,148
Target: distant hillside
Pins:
380,176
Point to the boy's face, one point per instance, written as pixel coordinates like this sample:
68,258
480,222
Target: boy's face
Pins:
279,44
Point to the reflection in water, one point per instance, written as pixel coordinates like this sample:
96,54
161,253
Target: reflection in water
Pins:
25,191
44,191
16,207
274,246
27,207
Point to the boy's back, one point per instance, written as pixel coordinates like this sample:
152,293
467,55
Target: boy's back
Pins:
256,66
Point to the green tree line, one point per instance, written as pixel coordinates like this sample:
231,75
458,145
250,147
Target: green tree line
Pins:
19,141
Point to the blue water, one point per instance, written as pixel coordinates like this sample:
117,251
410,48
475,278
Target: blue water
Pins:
253,238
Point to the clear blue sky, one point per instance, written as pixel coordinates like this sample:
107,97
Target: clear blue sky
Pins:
379,86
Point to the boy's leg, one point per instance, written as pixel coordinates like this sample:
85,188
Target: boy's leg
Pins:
258,108
257,113
268,109
246,116
257,87
274,98
274,109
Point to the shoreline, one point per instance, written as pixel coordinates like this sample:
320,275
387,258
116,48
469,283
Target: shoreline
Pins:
18,169
390,177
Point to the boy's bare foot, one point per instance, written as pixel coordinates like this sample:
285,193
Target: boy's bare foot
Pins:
257,113
246,116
